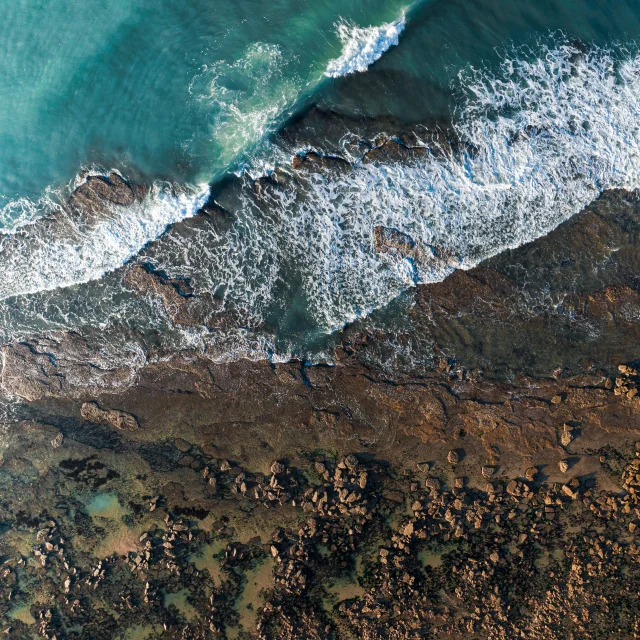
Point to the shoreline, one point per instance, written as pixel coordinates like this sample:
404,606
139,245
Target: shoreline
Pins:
576,301
473,456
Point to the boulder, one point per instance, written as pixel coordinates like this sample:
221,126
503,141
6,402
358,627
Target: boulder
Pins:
92,412
453,456
432,483
277,467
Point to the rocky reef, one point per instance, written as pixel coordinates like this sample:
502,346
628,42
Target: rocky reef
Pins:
487,486
512,513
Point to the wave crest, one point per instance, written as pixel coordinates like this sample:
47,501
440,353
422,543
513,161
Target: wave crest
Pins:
361,47
62,249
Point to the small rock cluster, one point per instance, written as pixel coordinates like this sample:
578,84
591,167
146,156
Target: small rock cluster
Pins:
425,555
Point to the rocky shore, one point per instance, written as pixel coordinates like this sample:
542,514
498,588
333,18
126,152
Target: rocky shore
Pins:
487,486
498,511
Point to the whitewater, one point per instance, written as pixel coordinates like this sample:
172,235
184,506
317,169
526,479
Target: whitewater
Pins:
540,138
361,47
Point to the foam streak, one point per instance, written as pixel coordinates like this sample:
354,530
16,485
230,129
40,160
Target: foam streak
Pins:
62,251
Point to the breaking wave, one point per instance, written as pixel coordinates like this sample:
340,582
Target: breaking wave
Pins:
62,250
541,139
534,143
361,47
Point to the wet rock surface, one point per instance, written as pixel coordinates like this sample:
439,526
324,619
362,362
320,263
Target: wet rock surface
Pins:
488,489
329,542
96,191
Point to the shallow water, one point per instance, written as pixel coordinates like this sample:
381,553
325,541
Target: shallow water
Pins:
172,92
191,95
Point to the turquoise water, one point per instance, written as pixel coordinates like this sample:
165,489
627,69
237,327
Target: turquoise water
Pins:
545,95
177,90
171,90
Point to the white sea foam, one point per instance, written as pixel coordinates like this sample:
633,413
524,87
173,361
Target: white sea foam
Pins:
246,98
362,46
546,135
62,250
22,211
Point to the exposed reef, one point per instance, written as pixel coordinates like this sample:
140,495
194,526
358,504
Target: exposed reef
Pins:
468,468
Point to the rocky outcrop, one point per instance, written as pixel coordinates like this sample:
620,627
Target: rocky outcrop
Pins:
314,162
176,296
389,240
99,191
59,364
122,420
324,543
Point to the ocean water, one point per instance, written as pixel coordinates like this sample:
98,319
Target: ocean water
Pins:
543,97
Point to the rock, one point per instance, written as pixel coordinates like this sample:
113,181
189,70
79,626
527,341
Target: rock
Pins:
530,473
423,466
176,296
57,441
453,456
563,465
388,240
388,150
513,488
277,468
97,193
91,412
567,436
210,450
313,162
432,483
182,445
351,461
55,365
488,472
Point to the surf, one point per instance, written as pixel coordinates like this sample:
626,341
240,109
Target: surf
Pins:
540,139
362,46
64,250
537,140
